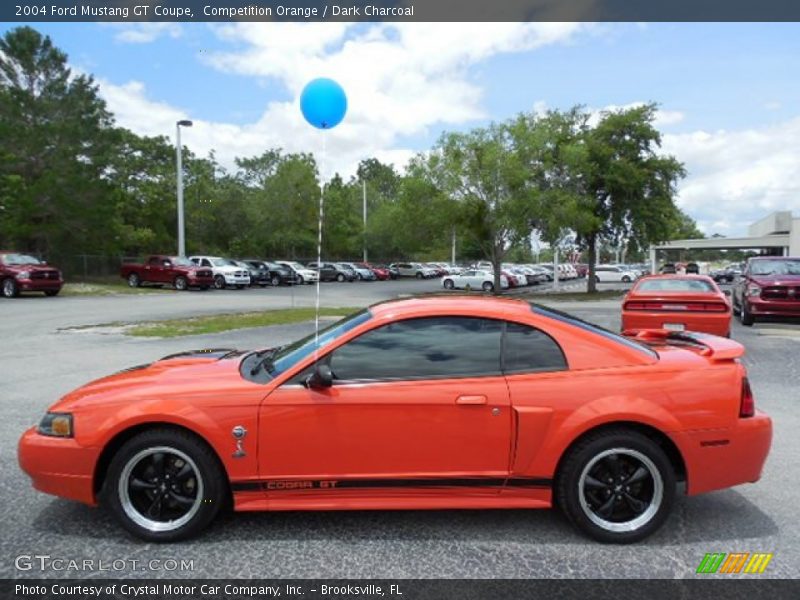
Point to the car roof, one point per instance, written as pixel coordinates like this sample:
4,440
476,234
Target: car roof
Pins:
450,302
677,276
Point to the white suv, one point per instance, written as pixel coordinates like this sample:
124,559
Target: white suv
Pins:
303,273
226,272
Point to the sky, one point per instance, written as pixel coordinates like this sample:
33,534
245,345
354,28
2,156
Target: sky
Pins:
729,94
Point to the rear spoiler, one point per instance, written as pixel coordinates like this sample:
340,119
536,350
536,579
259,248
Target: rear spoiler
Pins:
712,346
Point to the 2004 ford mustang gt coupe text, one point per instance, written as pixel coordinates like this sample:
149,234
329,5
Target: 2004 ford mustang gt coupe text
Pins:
452,402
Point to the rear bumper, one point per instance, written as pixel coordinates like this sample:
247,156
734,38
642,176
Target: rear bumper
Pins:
714,323
58,466
776,308
718,459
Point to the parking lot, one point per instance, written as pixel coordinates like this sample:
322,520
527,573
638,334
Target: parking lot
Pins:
49,348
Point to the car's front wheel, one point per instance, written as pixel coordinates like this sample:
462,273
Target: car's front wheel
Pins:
133,280
487,286
165,485
448,284
616,486
340,278
626,279
745,316
275,281
181,284
219,282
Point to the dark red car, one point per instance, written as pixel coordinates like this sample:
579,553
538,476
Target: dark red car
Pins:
769,287
582,269
176,271
25,273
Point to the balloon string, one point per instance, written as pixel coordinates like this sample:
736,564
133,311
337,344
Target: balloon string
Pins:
319,241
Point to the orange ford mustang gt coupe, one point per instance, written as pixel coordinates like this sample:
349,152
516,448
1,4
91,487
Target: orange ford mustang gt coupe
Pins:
434,403
677,303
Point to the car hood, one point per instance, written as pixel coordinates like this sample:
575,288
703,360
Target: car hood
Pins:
768,280
185,372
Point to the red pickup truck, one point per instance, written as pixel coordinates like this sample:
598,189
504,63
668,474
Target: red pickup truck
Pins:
177,271
25,273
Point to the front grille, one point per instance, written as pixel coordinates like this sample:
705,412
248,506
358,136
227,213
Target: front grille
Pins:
240,273
44,275
785,293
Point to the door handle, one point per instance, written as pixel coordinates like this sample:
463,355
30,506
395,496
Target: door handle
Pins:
480,399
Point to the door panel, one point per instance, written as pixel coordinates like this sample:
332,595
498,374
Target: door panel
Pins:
387,430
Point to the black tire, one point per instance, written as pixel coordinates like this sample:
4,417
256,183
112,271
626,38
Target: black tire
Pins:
181,284
10,288
275,281
626,279
134,281
487,286
420,275
340,277
300,280
219,282
592,478
448,284
176,511
51,293
745,316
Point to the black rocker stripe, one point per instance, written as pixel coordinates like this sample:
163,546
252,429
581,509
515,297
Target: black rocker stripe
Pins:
293,485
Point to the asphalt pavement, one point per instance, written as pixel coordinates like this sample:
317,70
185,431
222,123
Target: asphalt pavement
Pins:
49,347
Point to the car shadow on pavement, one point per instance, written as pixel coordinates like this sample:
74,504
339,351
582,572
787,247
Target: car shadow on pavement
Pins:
719,516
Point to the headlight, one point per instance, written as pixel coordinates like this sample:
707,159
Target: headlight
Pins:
23,275
56,425
753,290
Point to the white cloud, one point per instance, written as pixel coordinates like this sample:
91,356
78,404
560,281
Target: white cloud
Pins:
736,177
773,105
401,79
146,32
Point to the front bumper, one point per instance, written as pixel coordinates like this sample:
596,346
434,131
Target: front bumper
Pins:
723,458
773,308
713,323
236,280
58,466
39,285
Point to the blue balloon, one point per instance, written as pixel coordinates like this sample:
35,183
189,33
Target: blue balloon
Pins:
323,103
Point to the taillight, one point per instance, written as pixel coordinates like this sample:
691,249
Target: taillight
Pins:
747,408
678,307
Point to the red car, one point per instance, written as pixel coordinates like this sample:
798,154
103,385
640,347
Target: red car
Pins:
426,403
381,273
176,271
25,273
768,287
677,303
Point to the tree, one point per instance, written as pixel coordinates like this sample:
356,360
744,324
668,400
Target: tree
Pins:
479,171
628,188
56,138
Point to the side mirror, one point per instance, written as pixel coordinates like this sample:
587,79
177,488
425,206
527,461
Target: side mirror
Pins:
322,377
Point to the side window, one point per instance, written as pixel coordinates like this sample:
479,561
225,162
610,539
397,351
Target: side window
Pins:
153,261
426,348
206,262
529,350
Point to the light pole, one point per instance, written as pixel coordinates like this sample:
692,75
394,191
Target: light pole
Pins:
181,233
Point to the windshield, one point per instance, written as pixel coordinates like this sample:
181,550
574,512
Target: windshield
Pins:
775,267
674,285
20,259
291,354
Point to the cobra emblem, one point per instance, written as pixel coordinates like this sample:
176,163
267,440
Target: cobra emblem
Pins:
238,433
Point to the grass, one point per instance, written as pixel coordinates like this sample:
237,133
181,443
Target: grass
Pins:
107,289
228,322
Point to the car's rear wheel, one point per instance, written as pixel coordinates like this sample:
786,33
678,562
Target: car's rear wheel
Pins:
164,485
487,286
181,284
134,281
626,279
745,316
275,281
448,284
419,275
340,278
617,486
219,282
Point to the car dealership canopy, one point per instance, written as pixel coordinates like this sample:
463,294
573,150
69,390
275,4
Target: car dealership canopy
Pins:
778,230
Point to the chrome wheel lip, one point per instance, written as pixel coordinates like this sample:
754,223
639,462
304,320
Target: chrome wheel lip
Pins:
644,518
141,520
